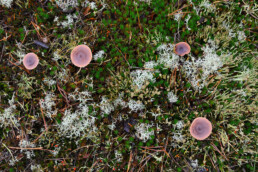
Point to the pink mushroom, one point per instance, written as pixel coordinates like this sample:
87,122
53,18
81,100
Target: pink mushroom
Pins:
30,61
200,128
182,48
81,55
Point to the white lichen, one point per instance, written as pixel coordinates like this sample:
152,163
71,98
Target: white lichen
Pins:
56,56
167,57
27,144
135,105
179,125
241,36
6,3
92,5
178,137
199,70
194,7
65,5
207,6
48,105
172,98
118,155
78,123
178,15
150,65
155,115
7,118
194,163
186,21
119,101
144,131
211,61
13,161
106,106
112,126
229,29
140,77
69,21
20,54
99,55
147,1
50,82
81,96
36,168
56,151
80,120
62,75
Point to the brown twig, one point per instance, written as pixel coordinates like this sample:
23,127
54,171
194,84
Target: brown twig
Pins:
219,1
38,137
39,148
18,66
139,23
130,159
164,150
178,10
45,124
210,78
5,38
122,55
215,88
92,166
157,150
82,147
222,149
10,55
215,167
172,75
215,147
63,93
25,37
151,147
147,159
37,28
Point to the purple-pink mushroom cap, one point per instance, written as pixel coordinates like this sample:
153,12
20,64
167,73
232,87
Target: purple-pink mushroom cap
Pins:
182,48
201,128
30,61
81,55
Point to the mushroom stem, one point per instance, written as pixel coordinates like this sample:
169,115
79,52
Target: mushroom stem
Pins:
78,71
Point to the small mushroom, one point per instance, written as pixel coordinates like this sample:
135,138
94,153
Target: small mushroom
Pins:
200,128
182,48
30,61
81,55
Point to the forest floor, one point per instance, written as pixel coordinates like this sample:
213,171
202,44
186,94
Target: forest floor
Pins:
131,108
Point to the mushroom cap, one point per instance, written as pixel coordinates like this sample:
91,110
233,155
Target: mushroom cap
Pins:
30,61
200,128
182,48
81,55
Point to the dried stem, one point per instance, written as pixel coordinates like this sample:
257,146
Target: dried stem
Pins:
45,124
